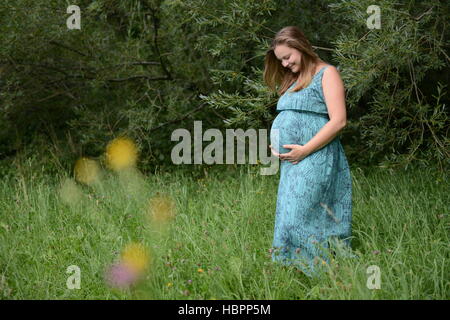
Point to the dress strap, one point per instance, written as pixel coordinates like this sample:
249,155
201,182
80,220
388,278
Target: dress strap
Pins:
313,78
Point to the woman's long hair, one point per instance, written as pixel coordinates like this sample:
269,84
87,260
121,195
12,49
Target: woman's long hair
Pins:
274,72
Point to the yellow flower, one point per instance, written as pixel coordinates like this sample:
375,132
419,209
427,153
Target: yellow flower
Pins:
170,284
121,153
161,209
86,170
136,257
200,270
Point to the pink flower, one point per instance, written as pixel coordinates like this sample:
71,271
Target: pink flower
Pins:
120,276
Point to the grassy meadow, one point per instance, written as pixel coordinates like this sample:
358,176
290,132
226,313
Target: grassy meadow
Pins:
217,244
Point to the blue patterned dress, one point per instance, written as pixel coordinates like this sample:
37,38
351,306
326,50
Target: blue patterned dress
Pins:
314,202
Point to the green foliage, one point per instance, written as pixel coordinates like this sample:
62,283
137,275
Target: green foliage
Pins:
394,73
145,68
395,96
125,72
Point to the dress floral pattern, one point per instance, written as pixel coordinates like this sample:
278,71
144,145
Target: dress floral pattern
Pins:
314,201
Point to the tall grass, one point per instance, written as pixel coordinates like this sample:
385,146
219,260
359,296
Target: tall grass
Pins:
217,246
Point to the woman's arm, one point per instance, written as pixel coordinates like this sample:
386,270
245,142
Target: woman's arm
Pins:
334,95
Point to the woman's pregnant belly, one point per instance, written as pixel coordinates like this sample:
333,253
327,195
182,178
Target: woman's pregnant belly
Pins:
294,127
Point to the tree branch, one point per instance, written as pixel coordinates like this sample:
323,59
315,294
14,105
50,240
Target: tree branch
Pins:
68,48
426,12
138,77
155,20
322,48
178,119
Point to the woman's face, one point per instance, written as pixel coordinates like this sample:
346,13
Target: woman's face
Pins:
289,57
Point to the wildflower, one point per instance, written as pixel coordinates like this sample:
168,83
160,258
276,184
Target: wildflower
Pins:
200,270
121,153
169,284
132,181
189,281
70,192
161,209
86,170
136,257
120,276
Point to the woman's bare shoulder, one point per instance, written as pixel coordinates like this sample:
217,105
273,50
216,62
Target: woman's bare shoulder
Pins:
331,77
330,69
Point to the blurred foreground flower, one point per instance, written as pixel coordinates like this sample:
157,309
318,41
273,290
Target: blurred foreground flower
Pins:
120,276
121,153
136,257
161,209
134,261
133,181
70,192
86,170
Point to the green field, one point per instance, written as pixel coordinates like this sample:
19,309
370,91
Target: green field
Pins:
217,247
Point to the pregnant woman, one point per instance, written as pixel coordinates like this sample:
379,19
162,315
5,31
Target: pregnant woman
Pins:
314,202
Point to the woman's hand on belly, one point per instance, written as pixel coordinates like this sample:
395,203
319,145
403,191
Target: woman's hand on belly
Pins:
297,153
276,154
